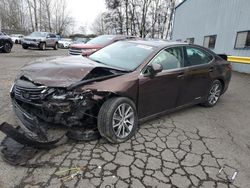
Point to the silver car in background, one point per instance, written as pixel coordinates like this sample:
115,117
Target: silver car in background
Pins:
40,40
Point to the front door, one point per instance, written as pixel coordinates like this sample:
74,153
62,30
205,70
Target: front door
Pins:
159,93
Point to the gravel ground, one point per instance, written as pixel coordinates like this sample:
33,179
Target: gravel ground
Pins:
184,149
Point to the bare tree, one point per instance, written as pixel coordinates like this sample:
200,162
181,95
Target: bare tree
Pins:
98,25
139,17
34,15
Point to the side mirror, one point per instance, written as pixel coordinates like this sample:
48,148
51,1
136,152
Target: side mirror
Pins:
153,69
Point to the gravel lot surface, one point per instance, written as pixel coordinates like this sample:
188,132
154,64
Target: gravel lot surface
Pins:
183,149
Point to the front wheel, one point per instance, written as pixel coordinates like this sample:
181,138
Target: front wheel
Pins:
56,46
7,47
117,119
42,46
213,94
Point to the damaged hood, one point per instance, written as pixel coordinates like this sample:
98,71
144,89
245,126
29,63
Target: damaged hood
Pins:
59,72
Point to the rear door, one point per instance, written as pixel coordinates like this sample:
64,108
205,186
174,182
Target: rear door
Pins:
197,80
159,93
50,40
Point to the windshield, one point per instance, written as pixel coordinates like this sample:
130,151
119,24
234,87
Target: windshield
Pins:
102,40
38,34
123,55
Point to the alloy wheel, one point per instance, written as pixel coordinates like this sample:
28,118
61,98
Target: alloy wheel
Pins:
214,94
123,120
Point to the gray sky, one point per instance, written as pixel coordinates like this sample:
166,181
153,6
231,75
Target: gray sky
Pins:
85,11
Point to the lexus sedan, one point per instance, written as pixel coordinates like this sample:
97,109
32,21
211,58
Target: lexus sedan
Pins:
118,87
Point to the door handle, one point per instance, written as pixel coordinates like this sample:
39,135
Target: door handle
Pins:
211,69
180,76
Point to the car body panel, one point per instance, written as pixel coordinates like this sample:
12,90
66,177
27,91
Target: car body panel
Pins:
59,72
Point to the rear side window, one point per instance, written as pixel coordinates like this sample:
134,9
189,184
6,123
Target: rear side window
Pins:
52,36
170,58
196,56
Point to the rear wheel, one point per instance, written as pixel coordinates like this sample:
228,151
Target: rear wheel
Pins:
42,46
7,47
117,119
16,41
56,46
213,94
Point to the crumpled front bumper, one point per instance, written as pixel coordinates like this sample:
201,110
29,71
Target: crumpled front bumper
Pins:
31,132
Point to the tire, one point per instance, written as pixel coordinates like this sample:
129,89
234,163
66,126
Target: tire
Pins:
7,47
42,46
25,46
56,46
16,41
214,94
117,129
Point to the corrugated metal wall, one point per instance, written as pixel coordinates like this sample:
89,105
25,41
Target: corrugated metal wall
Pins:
224,18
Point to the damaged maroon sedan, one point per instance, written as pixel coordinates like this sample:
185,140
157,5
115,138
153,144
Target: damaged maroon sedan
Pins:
116,88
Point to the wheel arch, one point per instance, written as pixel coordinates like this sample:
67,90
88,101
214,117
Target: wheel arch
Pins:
106,95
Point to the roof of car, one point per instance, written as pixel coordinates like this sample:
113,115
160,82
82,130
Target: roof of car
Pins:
157,43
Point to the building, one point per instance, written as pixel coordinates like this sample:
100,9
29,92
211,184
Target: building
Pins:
221,25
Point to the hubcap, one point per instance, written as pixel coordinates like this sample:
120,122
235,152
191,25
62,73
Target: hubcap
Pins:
214,94
123,120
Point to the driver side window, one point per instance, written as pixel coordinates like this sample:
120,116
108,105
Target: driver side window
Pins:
170,58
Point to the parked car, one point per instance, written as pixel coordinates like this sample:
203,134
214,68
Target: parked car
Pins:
40,40
80,40
6,43
96,44
119,86
64,43
16,38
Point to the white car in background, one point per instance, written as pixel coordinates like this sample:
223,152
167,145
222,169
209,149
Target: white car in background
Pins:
16,38
65,42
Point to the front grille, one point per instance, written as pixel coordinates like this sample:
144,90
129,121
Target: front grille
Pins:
75,51
28,94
